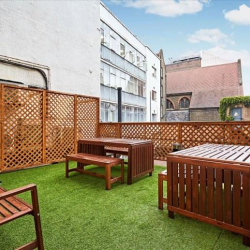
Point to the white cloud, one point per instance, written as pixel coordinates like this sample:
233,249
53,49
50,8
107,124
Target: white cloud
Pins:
240,16
166,8
214,36
232,55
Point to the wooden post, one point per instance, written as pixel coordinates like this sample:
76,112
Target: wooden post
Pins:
98,126
1,126
44,118
75,124
119,130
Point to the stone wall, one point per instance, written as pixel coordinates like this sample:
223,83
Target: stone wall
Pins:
206,114
177,116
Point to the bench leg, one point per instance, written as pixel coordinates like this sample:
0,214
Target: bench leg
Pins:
37,220
108,177
160,192
246,241
122,173
171,214
67,168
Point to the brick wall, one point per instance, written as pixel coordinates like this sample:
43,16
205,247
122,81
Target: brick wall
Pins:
183,65
209,114
176,98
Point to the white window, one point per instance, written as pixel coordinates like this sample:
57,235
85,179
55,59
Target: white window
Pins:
112,43
153,95
131,57
154,72
102,36
122,50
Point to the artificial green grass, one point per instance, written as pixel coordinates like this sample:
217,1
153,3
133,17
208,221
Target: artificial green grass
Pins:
78,213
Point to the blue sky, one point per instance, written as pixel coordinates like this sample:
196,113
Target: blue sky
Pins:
186,27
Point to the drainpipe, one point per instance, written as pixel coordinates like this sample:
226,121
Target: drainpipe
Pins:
119,104
150,114
29,65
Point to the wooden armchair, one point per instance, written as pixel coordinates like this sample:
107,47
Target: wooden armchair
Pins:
12,207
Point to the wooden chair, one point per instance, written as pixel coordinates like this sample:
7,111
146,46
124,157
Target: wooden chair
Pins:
12,207
162,176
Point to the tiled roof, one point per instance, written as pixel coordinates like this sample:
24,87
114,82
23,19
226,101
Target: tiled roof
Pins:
207,84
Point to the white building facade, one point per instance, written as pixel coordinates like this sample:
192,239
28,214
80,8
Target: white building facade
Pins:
127,63
51,45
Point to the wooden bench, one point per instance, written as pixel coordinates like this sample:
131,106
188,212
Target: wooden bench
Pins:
99,160
12,207
162,176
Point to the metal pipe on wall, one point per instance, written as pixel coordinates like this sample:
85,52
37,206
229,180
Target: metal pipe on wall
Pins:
119,91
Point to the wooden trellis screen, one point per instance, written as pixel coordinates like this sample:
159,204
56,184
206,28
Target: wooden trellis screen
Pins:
189,134
39,127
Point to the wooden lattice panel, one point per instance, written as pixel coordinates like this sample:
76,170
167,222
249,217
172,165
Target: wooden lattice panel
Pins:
87,117
109,130
168,135
161,135
236,133
59,126
1,126
195,134
22,128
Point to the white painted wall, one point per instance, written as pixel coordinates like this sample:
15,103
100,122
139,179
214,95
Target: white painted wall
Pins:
63,35
211,60
108,17
153,84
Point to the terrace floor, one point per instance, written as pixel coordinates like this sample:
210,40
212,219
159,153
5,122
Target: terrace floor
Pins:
78,213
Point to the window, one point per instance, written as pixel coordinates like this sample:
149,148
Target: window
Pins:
161,72
184,103
153,95
102,36
131,57
122,50
170,105
161,91
154,72
141,88
108,112
112,43
102,76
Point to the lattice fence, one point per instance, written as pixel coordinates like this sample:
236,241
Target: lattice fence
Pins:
39,127
189,134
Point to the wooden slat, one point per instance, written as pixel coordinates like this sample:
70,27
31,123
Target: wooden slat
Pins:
236,197
246,199
203,190
188,188
181,186
219,197
170,182
195,195
175,184
227,197
210,197
8,206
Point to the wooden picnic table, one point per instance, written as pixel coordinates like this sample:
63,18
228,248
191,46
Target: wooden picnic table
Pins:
140,153
211,183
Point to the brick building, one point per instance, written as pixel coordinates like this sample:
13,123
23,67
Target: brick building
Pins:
194,92
163,85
